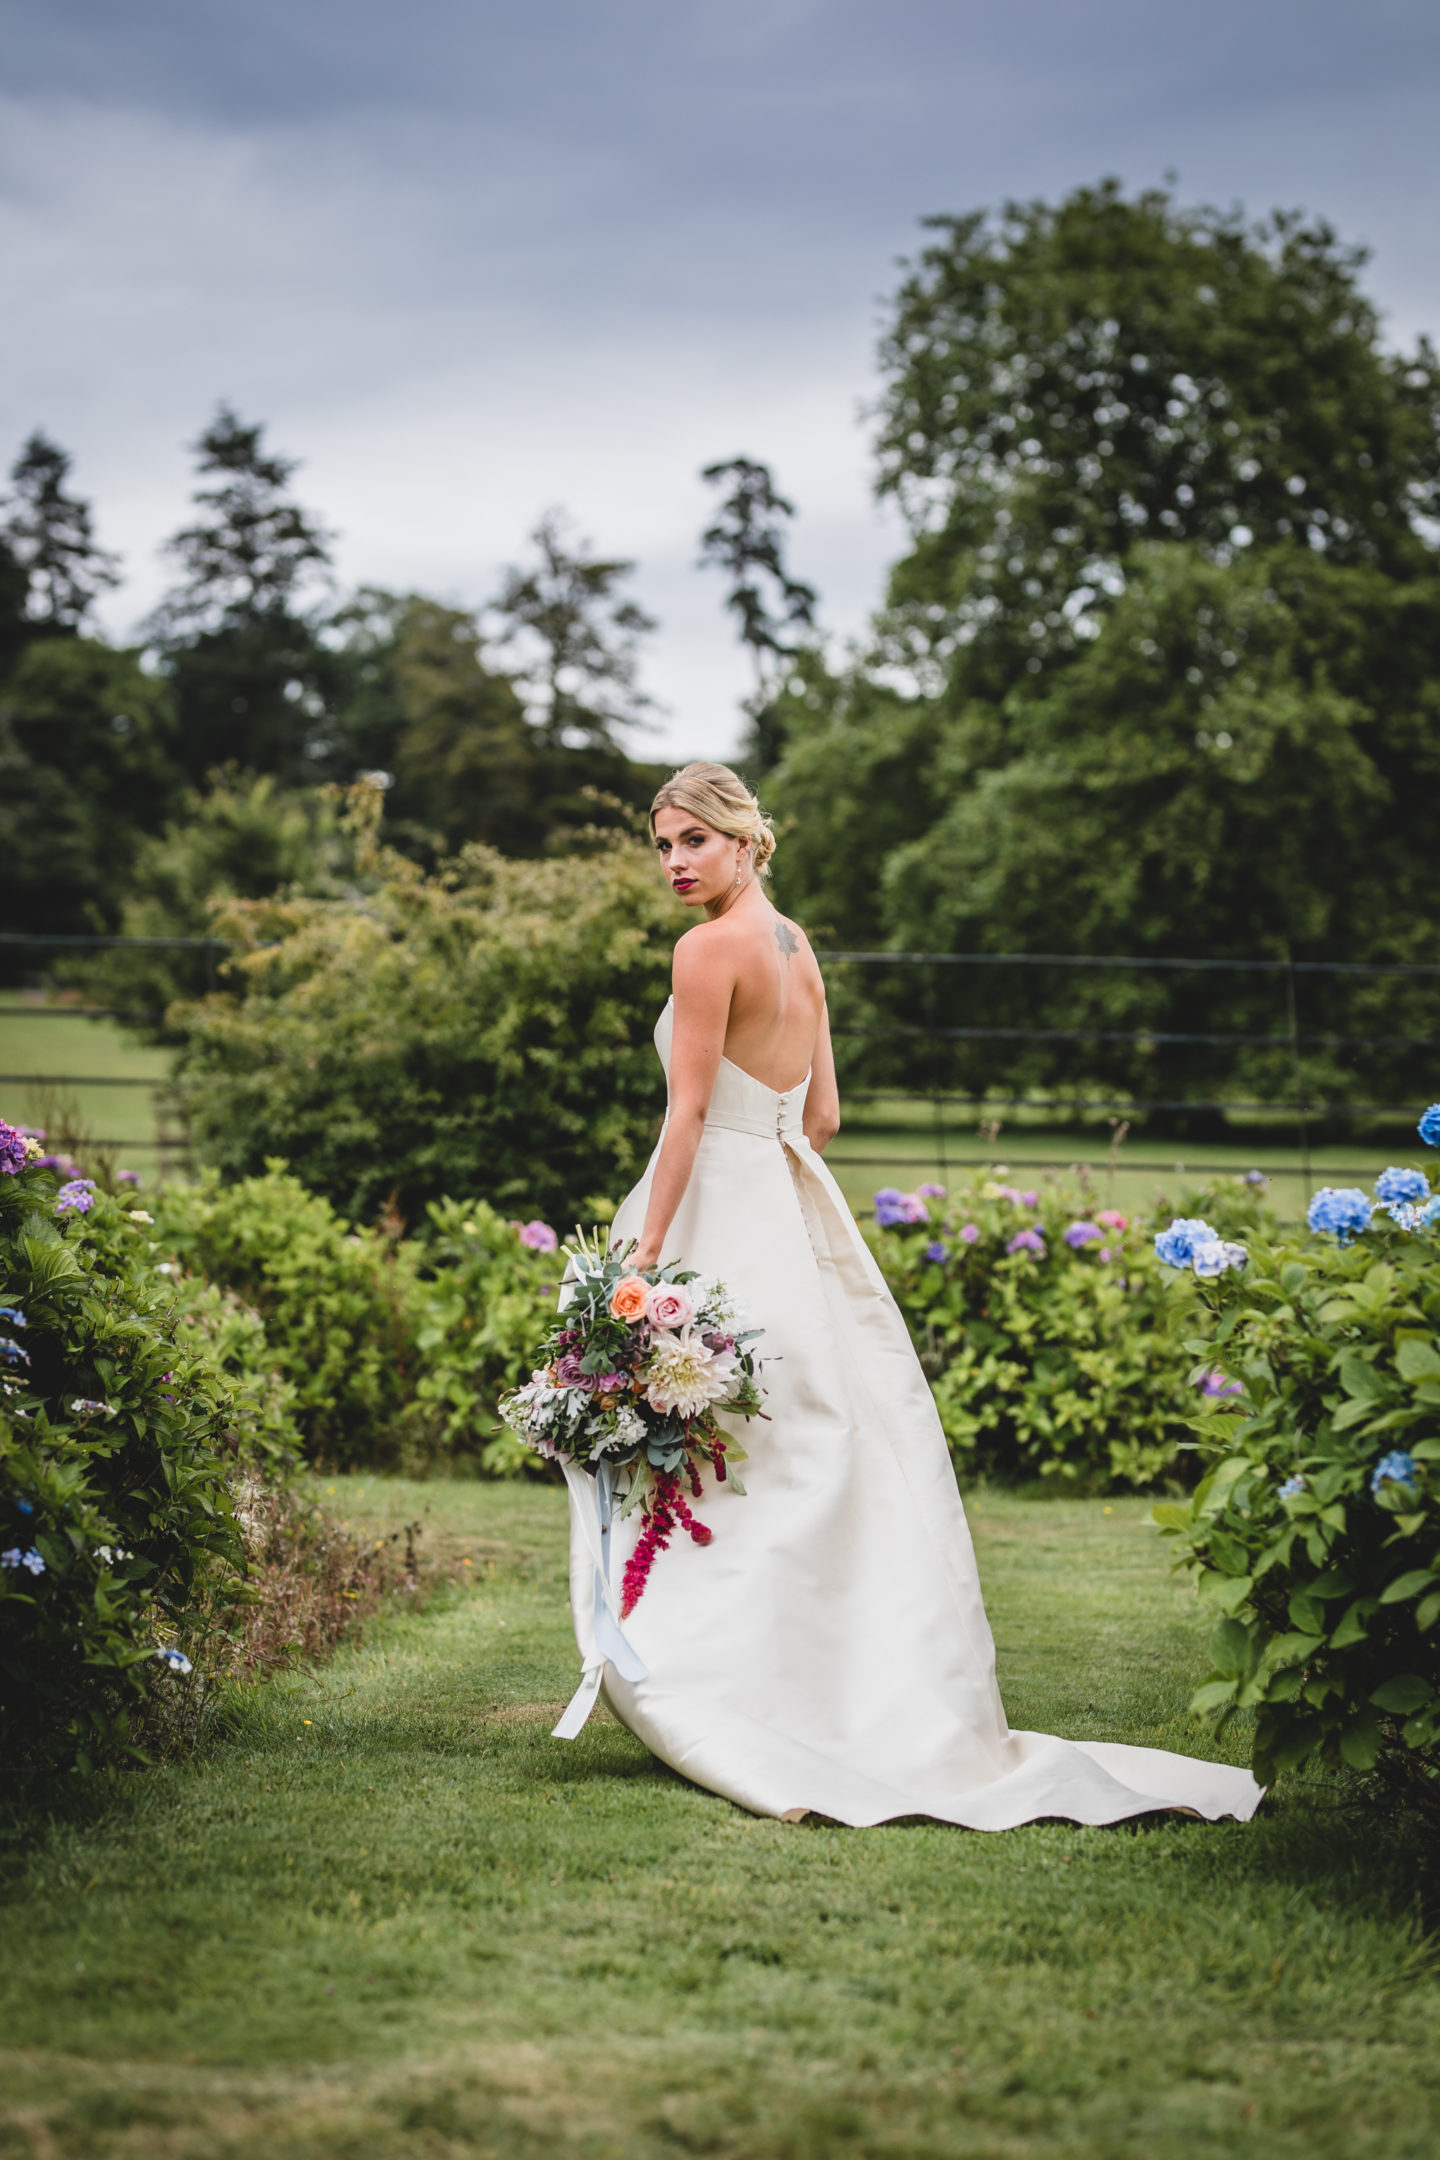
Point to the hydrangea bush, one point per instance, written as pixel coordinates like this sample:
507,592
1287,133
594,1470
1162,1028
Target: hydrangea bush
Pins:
1047,1329
119,1438
1315,1534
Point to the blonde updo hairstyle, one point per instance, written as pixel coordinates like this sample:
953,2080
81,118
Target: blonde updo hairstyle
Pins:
721,800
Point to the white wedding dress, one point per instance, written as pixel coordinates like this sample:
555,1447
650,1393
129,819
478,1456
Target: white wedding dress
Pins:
828,1651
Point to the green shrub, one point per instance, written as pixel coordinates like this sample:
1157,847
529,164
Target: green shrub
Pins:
1320,1560
337,1304
487,1298
1048,1358
118,1435
486,1030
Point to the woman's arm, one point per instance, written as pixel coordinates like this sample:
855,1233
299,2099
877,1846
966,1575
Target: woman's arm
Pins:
704,978
822,1103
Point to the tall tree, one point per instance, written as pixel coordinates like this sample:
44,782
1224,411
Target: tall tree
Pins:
254,683
51,535
747,542
575,638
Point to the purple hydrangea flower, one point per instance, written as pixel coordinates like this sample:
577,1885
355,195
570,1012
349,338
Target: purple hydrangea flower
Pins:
538,1236
889,1207
13,1152
931,1192
1215,1384
913,1208
970,1233
1027,1241
938,1252
1029,1199
76,1198
1082,1233
1429,1126
1255,1177
1394,1184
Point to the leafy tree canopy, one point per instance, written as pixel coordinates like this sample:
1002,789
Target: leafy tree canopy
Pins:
50,536
747,542
576,639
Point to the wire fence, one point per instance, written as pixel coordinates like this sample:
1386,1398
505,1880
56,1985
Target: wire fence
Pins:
916,1047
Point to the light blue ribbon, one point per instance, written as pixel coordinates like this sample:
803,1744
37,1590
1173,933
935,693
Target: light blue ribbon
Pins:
595,1503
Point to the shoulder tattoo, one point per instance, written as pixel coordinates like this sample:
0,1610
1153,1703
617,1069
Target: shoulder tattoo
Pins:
786,939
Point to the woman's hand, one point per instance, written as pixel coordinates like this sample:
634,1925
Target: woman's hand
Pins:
644,1256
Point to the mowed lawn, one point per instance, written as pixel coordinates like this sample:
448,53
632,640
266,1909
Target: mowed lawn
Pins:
389,1916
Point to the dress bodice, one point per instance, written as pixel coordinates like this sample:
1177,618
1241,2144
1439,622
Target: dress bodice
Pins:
740,1102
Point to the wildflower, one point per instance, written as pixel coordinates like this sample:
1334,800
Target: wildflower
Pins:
10,1557
13,1314
138,1214
84,1406
1078,1234
538,1236
670,1306
1429,1126
1104,1253
1343,1209
1254,1177
1176,1246
1217,1256
969,1233
14,1153
1215,1384
1112,1220
1396,1468
127,1177
1027,1241
11,1352
76,1198
15,1558
683,1377
931,1192
167,1267
111,1553
1292,1486
938,1252
1029,1199
177,1662
1393,1184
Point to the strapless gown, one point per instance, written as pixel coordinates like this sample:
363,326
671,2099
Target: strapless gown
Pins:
828,1651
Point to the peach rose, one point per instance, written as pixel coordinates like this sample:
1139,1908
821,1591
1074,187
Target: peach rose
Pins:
630,1299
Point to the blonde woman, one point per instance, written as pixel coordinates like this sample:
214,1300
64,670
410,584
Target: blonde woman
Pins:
829,1650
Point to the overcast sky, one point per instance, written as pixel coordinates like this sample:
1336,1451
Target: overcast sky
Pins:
468,261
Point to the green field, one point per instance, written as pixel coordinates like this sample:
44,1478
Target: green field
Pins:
84,1081
388,1917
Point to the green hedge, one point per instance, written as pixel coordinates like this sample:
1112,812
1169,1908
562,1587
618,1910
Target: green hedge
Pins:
1315,1535
1050,1355
126,1410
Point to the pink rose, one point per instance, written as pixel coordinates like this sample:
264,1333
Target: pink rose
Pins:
669,1306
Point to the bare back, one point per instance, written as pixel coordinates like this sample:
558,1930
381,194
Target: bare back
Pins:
778,1000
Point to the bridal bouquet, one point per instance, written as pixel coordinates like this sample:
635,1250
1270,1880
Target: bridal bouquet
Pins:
633,1375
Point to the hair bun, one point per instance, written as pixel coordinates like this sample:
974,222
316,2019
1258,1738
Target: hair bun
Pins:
721,800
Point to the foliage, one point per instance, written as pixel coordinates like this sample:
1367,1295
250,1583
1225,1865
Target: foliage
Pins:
747,542
117,1435
577,639
1315,1535
1157,674
86,767
51,536
484,1030
1050,1356
486,1299
337,1304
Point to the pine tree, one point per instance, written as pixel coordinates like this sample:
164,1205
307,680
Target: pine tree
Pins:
49,534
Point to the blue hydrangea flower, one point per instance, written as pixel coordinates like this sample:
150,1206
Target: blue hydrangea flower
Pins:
1393,1184
1429,1126
1255,1177
176,1660
1176,1246
1217,1256
937,1252
1343,1209
1291,1486
1396,1468
1408,1217
1082,1233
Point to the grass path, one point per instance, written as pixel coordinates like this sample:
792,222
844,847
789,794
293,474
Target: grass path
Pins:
389,1917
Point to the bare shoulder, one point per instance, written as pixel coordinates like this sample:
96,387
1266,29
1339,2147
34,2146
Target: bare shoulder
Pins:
704,952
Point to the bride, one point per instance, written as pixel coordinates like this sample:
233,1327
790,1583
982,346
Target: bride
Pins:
829,1650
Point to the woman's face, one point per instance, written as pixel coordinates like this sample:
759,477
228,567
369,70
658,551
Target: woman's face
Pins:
699,862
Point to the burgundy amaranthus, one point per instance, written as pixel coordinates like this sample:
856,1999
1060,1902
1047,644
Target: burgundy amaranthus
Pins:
667,1507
